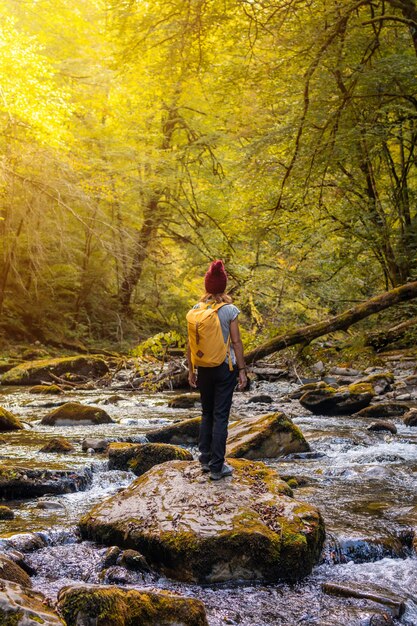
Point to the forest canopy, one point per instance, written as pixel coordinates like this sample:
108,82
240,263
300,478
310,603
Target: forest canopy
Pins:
141,140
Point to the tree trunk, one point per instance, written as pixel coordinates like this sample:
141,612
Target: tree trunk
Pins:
342,321
383,338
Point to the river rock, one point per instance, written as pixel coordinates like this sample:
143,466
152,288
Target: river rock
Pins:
381,382
6,513
108,605
134,560
9,570
260,399
184,432
341,401
36,372
265,436
269,373
74,414
20,482
20,606
382,425
190,528
47,389
384,409
139,458
9,422
313,386
184,401
59,445
410,418
98,445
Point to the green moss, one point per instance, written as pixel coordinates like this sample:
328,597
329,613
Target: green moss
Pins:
76,412
360,388
58,444
48,389
8,421
154,454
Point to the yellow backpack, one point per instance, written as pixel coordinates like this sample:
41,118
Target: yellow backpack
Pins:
205,336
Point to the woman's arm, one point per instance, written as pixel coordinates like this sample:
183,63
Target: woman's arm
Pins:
192,378
238,348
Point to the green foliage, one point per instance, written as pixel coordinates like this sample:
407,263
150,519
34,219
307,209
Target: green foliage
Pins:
158,345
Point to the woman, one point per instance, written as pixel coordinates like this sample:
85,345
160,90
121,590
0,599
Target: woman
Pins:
216,384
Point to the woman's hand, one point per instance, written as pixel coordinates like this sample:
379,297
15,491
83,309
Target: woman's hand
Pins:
243,380
192,378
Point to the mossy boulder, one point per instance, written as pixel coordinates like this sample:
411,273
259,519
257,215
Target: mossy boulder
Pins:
341,401
9,422
139,458
20,606
74,413
184,401
410,418
35,372
383,409
190,528
313,386
184,432
47,389
114,606
21,482
59,445
6,513
266,436
9,570
381,381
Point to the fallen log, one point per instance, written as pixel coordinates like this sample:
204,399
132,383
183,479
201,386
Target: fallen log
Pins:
342,321
382,338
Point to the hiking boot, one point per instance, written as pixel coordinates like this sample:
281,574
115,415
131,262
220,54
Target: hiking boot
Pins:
205,467
225,471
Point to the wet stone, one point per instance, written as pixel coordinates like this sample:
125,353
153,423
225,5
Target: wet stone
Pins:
6,513
184,401
58,445
384,409
102,606
134,560
20,606
261,399
74,413
98,445
21,482
381,425
410,418
340,401
258,531
139,458
9,570
9,422
36,372
183,432
111,556
46,389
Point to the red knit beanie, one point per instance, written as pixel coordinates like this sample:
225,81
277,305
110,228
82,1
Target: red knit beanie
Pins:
216,278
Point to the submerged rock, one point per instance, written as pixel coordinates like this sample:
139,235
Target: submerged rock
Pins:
9,422
59,445
98,445
20,606
266,436
261,399
35,372
74,413
384,409
193,529
184,432
184,401
107,605
340,401
21,482
139,458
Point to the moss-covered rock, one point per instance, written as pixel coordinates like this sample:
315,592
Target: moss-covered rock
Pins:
194,529
13,572
47,389
383,409
184,432
341,401
21,482
265,436
410,418
139,458
134,560
9,422
59,445
382,425
313,386
35,372
6,513
381,381
74,413
113,606
184,401
20,606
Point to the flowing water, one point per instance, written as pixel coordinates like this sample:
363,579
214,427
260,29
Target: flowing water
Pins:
363,482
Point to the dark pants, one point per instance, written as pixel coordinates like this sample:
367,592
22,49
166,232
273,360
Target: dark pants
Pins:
216,385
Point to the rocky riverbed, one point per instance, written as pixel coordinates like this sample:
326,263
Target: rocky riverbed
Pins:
362,481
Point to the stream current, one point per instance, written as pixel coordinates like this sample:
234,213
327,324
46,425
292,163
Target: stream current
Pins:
363,482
